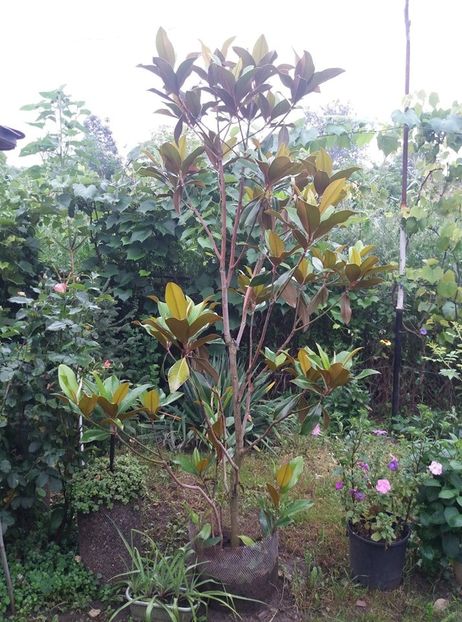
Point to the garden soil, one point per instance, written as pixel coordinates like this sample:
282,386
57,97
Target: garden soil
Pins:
101,548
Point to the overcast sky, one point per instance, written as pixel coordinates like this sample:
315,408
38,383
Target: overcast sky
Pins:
93,47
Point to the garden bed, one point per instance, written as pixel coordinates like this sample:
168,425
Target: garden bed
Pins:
313,582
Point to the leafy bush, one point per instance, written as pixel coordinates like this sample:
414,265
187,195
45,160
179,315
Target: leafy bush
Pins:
440,515
95,486
47,579
434,424
39,440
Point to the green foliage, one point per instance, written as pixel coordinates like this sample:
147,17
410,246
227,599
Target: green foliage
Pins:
38,444
440,504
95,486
169,581
19,250
46,580
100,148
277,509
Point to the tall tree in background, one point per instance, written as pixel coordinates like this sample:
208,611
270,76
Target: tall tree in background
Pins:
100,147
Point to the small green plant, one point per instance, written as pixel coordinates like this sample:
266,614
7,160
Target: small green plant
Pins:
277,510
378,480
110,401
168,582
96,486
47,579
440,505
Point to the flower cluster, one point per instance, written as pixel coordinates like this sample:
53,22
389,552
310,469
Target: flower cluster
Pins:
377,478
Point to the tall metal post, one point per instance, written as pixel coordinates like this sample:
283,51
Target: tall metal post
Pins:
402,233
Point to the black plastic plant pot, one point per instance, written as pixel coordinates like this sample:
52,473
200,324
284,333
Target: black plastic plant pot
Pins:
8,138
375,564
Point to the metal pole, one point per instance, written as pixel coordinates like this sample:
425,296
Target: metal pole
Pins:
402,232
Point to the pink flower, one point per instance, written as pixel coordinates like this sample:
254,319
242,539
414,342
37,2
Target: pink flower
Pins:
60,288
316,430
435,467
380,432
363,466
107,364
383,486
339,485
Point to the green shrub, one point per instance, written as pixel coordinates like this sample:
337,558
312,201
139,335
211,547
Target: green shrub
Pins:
45,580
95,486
440,515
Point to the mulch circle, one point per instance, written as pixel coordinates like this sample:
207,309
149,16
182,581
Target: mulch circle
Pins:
101,548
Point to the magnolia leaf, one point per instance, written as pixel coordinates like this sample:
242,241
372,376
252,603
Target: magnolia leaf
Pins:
260,49
275,244
151,402
284,475
176,301
120,392
324,162
68,382
345,308
178,374
109,408
365,373
87,404
164,47
304,361
332,194
273,493
94,434
246,540
202,465
186,464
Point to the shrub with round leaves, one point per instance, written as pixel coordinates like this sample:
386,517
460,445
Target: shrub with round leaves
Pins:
95,486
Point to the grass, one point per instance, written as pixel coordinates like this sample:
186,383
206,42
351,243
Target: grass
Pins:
314,551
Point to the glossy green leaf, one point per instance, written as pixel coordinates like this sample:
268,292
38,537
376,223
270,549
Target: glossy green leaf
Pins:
178,374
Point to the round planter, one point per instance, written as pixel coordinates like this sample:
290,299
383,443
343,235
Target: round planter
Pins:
376,564
248,571
100,546
457,566
158,614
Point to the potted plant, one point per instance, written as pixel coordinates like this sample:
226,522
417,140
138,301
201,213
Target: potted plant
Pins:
263,211
440,506
250,569
164,588
378,481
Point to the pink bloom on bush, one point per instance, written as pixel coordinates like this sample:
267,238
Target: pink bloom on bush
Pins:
339,485
383,486
363,466
380,432
316,430
60,288
107,364
435,467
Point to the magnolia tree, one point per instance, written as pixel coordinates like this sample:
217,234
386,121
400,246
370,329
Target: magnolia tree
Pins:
266,224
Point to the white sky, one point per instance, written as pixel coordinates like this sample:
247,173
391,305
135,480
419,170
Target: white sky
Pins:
93,47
